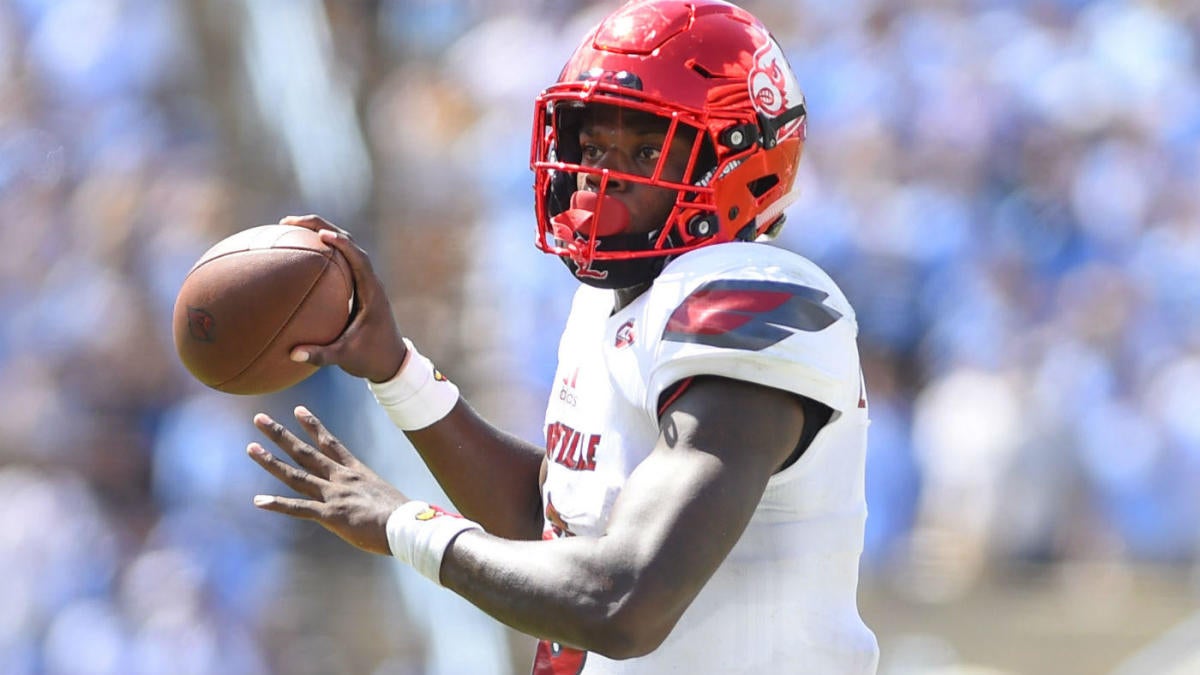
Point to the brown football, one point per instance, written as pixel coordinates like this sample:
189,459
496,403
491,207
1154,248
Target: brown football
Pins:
251,299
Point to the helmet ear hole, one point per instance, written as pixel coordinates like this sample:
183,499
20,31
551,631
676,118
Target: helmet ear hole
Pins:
762,186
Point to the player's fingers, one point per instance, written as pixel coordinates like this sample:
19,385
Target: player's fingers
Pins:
297,479
304,454
313,222
327,443
296,508
317,355
357,256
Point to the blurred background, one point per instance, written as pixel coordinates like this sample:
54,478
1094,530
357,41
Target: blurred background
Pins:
1008,192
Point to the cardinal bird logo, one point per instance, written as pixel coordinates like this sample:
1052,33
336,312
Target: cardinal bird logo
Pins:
625,335
773,90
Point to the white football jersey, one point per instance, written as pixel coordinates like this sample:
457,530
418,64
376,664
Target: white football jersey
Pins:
784,600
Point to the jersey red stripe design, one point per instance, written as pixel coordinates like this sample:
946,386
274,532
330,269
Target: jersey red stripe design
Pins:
749,314
712,312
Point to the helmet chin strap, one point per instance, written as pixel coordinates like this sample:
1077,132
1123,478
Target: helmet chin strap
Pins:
614,274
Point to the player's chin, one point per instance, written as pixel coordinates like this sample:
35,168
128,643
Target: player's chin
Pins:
616,274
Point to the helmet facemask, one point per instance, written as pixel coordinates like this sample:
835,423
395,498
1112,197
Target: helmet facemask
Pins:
588,227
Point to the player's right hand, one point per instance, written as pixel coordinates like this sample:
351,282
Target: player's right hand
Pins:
371,345
337,490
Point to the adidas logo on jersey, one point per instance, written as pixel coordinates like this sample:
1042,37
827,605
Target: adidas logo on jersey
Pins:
566,393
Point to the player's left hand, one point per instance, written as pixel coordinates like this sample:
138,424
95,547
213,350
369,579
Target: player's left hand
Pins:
344,495
371,346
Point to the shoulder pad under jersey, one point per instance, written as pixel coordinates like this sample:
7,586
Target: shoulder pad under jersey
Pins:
751,312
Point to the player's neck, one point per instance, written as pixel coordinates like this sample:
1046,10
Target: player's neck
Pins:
624,296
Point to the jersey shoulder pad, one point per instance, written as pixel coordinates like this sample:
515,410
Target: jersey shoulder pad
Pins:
757,313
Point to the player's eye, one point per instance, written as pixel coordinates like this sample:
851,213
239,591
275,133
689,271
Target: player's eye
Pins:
591,152
649,153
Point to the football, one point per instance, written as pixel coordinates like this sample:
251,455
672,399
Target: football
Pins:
251,299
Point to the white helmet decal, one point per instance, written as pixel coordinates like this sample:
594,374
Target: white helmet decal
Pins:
773,86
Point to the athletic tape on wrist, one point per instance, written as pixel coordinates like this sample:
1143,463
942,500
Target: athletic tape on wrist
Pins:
419,535
418,395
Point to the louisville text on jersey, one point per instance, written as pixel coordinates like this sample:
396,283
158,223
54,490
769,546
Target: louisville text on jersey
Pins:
571,448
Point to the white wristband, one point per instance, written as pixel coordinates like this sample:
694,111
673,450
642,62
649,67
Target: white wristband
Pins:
419,535
418,395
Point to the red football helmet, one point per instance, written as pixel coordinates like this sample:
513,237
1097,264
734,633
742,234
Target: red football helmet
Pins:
712,71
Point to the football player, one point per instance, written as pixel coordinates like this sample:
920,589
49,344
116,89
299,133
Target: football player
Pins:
697,504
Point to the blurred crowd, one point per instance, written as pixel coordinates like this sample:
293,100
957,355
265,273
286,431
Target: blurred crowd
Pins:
1008,192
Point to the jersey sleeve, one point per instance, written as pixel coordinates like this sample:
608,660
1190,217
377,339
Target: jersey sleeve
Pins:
768,317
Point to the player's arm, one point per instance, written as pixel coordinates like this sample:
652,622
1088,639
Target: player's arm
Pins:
492,477
678,516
